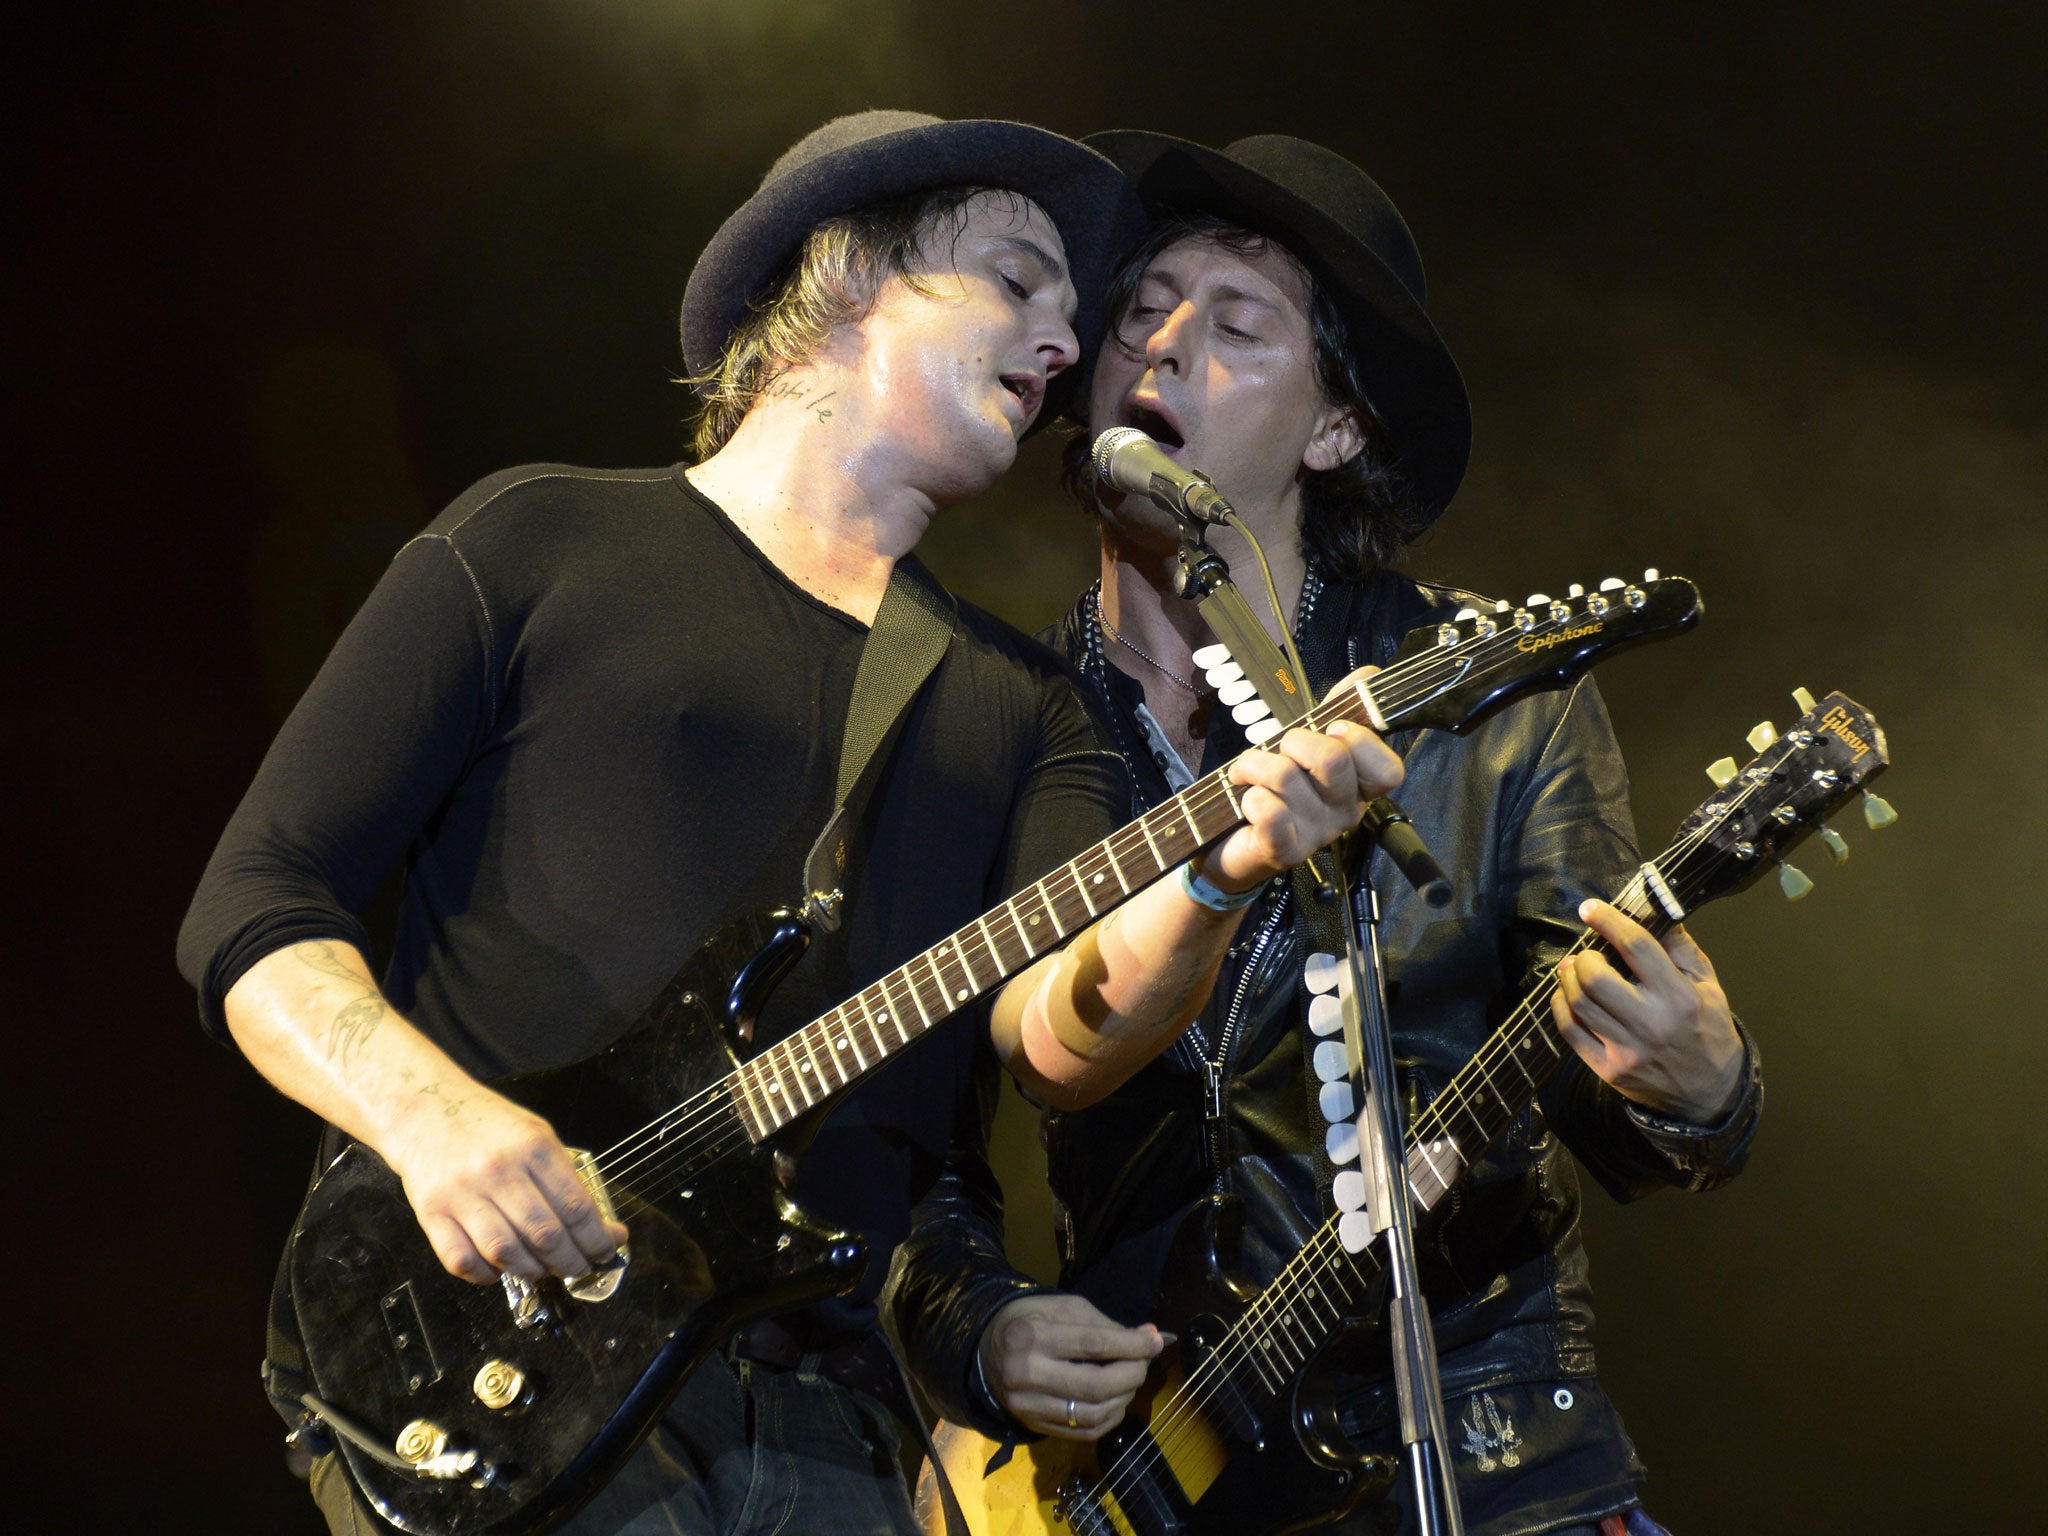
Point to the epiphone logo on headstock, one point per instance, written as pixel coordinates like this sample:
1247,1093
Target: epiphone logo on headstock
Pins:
1837,721
1545,642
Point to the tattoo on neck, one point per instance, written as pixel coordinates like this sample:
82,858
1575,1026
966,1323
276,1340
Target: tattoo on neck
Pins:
787,389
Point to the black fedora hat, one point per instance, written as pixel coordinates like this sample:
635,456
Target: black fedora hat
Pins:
870,157
1347,231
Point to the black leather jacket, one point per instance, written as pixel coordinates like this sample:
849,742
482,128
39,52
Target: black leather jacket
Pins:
1529,815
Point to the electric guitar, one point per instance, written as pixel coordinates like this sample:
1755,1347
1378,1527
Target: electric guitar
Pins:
1235,1432
463,1409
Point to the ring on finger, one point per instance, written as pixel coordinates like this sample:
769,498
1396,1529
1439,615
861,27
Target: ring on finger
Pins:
1073,1418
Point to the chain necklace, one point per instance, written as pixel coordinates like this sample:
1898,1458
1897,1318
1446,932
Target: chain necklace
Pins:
1110,630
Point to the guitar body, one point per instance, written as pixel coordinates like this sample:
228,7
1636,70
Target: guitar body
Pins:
393,1339
1208,1463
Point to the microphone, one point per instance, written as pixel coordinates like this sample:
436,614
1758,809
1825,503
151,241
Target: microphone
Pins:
1127,460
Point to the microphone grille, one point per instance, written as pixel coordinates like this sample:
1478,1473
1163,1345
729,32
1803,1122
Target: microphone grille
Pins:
1107,444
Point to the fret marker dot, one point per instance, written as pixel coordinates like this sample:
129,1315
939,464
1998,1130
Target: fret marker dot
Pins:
803,1066
841,1044
775,1087
963,994
1034,920
1098,879
881,1018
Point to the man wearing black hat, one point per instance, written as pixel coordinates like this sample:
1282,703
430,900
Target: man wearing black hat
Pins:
597,715
1270,331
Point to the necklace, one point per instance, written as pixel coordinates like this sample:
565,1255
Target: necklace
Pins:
1110,630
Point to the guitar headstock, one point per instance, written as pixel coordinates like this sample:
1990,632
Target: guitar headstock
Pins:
1761,811
1451,673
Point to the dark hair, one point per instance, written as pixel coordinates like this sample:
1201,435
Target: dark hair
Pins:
1355,518
834,279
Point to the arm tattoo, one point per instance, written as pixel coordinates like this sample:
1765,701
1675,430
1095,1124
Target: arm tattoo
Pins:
318,955
353,1026
450,1105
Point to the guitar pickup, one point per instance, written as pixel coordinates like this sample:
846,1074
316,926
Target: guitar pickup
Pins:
416,1362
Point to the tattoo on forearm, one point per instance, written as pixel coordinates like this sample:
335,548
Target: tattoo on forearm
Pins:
450,1105
318,955
353,1026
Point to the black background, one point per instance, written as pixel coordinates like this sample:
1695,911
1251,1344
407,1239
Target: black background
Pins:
1747,292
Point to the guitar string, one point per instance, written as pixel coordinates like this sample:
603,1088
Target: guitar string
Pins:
1183,1416
1185,1405
676,1136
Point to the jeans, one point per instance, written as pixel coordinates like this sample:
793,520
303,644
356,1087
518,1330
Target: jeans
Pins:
744,1450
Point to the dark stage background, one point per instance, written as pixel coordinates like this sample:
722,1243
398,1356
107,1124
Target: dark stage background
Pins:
1749,292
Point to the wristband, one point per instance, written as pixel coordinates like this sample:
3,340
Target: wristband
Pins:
1203,894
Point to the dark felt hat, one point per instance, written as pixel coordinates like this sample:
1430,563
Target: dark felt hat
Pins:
870,157
1347,231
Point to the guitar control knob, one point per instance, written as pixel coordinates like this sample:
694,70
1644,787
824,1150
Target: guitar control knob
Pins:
501,1385
1877,812
420,1441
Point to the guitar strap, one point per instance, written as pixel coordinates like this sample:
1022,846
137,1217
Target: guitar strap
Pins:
911,632
1320,918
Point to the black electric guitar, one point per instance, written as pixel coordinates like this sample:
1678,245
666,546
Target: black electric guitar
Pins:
1236,1432
461,1408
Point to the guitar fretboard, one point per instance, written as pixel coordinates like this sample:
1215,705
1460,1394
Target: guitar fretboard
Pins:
1469,666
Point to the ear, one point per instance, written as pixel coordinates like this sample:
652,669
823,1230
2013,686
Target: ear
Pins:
1337,440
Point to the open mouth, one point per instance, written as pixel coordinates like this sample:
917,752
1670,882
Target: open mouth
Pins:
1153,425
1028,388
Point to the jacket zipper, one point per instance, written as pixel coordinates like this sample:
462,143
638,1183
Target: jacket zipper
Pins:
1215,1070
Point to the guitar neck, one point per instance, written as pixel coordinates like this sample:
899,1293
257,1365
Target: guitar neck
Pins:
1324,1283
832,1052
1446,676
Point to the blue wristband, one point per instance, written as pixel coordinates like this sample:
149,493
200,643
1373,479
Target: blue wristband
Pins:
1214,897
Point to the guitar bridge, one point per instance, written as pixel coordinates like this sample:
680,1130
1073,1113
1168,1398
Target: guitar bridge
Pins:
603,1280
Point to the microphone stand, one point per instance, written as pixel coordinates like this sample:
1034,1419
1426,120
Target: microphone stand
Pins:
1203,576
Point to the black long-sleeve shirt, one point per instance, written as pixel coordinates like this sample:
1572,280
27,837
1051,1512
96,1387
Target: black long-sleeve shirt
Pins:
593,724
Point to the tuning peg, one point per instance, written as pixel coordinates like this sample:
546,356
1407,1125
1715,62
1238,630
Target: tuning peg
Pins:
1836,845
1465,613
1612,584
1804,700
1793,881
1539,599
1761,735
1211,655
1575,590
1501,606
1876,812
1722,772
1652,574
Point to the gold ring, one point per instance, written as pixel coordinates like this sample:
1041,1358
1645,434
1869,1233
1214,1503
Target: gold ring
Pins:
1073,1422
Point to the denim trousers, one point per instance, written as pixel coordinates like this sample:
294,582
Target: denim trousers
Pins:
744,1450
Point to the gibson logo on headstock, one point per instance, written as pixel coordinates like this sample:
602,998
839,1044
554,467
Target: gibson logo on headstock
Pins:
1837,721
1545,642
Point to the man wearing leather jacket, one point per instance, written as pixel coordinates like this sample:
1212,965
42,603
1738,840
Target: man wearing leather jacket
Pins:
1271,332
